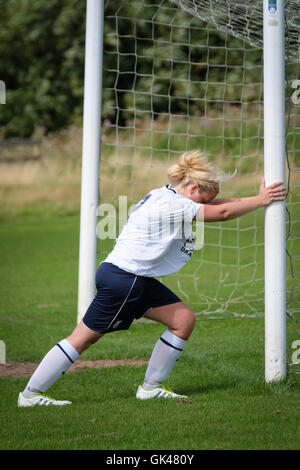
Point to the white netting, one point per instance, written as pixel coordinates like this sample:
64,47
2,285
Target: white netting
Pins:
245,21
183,75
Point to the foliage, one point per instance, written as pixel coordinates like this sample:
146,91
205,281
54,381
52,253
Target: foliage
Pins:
42,63
42,50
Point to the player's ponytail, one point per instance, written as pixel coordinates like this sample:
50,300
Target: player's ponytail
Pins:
193,167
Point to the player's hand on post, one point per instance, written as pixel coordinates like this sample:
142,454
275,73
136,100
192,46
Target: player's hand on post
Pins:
272,193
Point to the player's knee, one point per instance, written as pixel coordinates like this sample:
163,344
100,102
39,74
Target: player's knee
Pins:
190,322
81,339
187,325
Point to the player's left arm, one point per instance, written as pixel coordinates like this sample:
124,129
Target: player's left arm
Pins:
239,207
220,200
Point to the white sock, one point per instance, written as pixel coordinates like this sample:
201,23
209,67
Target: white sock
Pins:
56,362
164,356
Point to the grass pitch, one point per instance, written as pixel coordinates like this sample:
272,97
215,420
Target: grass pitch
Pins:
221,369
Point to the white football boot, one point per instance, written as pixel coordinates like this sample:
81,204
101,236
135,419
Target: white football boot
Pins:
157,392
39,399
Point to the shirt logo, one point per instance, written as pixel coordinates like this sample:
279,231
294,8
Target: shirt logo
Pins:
189,246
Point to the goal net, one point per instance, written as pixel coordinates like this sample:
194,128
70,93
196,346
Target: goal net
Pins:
185,75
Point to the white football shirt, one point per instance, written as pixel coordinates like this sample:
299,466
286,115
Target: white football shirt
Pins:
157,239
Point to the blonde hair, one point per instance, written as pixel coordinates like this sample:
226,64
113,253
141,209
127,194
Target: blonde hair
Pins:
193,167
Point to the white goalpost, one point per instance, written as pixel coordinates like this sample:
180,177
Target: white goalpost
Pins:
90,154
274,169
215,76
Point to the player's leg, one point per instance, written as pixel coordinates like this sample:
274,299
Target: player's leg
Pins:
82,337
56,362
178,317
102,316
180,321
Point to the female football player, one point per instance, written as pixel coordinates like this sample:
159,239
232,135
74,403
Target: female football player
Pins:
156,241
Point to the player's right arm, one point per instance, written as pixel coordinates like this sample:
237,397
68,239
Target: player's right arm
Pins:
238,207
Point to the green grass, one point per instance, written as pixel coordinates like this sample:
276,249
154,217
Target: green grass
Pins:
221,369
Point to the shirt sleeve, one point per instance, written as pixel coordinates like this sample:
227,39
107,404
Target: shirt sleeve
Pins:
191,210
183,209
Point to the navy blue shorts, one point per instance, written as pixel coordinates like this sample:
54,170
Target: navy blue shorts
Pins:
122,297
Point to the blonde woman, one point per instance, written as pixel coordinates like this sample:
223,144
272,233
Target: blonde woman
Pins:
156,241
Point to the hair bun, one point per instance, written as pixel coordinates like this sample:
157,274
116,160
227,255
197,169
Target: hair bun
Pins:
193,167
